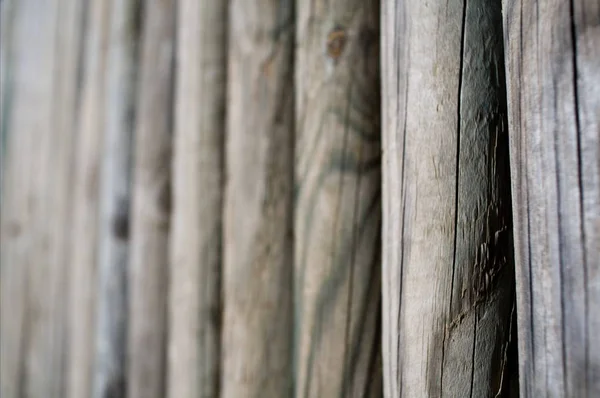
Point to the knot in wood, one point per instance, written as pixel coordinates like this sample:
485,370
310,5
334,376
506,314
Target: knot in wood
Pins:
120,220
336,41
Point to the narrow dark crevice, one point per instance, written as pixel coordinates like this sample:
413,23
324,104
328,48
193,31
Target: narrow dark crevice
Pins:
399,359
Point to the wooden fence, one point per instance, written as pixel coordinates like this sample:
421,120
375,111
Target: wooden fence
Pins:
299,198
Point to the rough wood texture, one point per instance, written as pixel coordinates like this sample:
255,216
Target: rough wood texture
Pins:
195,266
40,46
447,258
257,280
85,207
148,277
338,213
553,63
115,197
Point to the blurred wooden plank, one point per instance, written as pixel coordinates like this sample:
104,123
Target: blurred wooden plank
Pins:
40,65
553,63
338,214
447,258
86,186
18,131
148,281
195,262
115,198
257,280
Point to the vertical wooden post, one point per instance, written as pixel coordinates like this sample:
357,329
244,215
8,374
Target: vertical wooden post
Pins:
38,53
553,63
26,354
195,265
86,186
447,259
148,274
257,280
337,210
115,198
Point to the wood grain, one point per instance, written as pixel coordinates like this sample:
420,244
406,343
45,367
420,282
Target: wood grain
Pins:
447,259
115,198
337,194
553,64
195,262
151,208
258,258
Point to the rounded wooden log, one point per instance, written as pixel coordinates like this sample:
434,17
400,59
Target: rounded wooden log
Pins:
40,43
151,207
337,193
447,256
195,248
258,267
115,199
86,188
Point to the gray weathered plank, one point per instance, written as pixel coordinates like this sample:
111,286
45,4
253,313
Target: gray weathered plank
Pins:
195,262
115,197
85,207
40,44
337,209
25,124
447,259
553,64
258,258
148,273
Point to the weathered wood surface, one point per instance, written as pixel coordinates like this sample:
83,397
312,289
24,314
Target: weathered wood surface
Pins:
447,258
195,262
337,209
151,207
40,46
85,207
115,198
553,63
258,258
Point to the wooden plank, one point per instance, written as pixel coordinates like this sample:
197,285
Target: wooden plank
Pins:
553,63
115,198
58,191
447,260
16,184
338,214
148,281
22,53
258,268
39,60
86,186
195,262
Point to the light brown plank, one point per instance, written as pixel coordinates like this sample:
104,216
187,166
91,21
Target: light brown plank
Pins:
447,260
553,63
338,214
195,262
257,280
